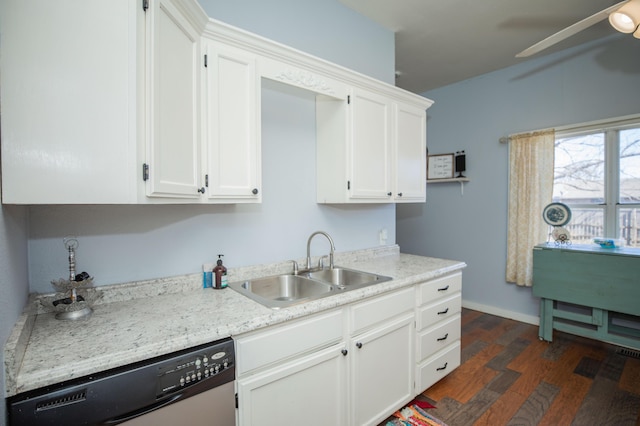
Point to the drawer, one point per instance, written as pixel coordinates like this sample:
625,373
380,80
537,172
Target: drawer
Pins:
381,309
438,288
437,338
436,367
431,314
283,341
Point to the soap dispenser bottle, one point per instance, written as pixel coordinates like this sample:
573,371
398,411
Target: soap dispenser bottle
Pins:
220,273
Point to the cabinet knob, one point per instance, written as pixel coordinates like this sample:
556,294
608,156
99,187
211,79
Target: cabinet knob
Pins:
359,345
399,194
201,190
344,352
255,191
389,194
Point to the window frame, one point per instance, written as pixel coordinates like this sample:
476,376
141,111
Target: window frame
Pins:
611,130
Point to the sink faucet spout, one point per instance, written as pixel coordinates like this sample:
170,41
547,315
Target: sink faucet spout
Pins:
333,248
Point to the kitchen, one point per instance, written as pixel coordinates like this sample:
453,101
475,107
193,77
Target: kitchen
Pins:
175,240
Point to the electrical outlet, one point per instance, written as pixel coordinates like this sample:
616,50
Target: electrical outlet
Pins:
382,236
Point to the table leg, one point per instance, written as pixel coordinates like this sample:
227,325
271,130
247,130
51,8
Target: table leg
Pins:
546,320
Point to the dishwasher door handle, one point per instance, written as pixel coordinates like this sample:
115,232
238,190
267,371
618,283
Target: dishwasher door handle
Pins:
144,410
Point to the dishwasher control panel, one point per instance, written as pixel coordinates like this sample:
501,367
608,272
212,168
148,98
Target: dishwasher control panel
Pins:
194,368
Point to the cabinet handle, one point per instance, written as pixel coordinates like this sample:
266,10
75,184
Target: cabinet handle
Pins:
444,288
255,191
201,190
443,312
344,352
359,345
440,339
389,194
442,368
399,194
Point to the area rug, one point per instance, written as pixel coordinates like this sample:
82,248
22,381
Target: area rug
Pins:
414,414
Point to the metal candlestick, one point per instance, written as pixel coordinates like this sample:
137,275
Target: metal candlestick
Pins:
73,307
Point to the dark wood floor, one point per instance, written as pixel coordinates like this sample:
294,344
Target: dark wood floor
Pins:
509,377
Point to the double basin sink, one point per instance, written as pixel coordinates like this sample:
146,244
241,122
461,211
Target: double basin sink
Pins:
281,291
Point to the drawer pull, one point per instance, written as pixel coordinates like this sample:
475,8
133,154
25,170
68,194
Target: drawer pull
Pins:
359,345
442,368
440,339
344,352
443,312
444,288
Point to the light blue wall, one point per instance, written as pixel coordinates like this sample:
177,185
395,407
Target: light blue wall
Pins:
124,243
13,278
591,82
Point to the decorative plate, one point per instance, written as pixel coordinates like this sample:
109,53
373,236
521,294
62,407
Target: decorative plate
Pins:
556,214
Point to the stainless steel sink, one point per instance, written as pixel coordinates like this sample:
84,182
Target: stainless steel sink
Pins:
343,277
280,291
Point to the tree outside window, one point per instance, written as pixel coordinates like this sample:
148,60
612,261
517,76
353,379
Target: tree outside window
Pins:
597,174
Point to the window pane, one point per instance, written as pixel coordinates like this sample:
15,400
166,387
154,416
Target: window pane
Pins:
629,231
579,170
585,225
630,166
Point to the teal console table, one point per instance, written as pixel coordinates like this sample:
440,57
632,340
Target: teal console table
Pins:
588,291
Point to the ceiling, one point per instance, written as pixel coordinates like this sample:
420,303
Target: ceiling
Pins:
440,42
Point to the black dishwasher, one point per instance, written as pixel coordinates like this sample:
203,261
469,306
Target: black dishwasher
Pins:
190,387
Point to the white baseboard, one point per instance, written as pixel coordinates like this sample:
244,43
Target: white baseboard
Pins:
529,319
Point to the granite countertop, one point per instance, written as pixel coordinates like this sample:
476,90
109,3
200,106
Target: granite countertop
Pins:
137,321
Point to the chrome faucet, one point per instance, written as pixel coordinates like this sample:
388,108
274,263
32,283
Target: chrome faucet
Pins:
333,248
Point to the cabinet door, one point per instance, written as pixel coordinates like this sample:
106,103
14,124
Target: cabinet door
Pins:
369,147
410,154
310,391
381,371
69,101
173,103
233,126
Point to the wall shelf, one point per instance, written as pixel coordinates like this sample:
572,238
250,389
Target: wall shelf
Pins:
462,180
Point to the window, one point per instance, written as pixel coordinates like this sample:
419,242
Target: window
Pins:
597,174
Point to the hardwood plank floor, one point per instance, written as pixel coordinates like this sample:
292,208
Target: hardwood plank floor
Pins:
508,376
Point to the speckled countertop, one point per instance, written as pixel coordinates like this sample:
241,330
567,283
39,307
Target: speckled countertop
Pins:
136,321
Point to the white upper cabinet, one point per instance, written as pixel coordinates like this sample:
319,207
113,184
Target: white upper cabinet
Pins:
371,149
232,125
173,104
203,135
123,101
68,95
368,146
410,153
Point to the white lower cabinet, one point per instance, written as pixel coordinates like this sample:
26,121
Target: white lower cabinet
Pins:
310,390
354,365
351,366
438,328
381,364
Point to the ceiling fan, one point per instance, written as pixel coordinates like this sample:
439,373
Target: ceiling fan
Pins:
623,16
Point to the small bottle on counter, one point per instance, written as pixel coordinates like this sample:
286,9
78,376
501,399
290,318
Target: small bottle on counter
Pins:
220,273
207,275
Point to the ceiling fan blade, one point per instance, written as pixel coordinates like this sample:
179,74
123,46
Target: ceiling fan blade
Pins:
569,31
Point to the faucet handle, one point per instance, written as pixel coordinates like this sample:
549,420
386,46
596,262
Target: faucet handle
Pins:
321,262
295,267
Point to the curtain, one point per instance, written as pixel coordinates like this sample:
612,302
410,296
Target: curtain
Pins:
530,190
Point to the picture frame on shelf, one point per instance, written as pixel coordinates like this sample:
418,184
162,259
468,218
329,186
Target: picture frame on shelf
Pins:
440,166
